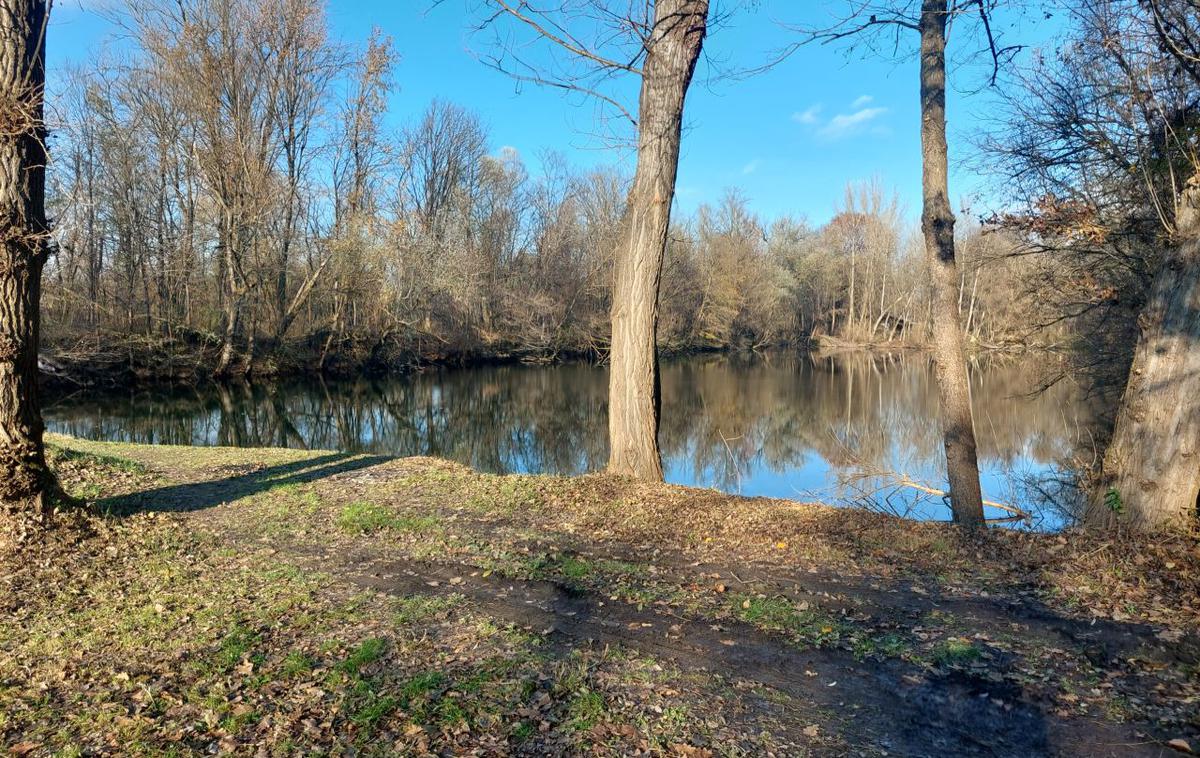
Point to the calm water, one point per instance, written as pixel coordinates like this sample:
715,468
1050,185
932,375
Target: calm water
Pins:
792,426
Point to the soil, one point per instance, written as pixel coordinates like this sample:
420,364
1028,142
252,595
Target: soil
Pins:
798,629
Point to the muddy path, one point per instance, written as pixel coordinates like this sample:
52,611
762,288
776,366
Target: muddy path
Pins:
902,602
881,707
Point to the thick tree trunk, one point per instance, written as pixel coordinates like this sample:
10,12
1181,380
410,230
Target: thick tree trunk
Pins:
633,394
1151,475
937,223
24,479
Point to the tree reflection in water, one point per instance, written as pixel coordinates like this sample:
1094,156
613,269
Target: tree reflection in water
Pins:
788,426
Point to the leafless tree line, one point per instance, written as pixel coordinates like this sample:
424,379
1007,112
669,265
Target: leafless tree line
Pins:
226,186
276,210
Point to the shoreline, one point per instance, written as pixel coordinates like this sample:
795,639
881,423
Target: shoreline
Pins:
76,369
63,370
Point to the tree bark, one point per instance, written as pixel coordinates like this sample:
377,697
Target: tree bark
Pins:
24,241
235,295
1151,476
633,399
937,224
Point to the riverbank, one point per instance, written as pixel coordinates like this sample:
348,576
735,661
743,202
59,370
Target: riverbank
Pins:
187,360
274,602
122,361
826,344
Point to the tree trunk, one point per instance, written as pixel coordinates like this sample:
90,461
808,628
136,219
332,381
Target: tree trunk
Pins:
235,295
937,224
24,479
633,396
1151,475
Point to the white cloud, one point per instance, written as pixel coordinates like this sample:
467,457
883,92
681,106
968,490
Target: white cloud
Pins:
751,167
809,116
861,117
848,124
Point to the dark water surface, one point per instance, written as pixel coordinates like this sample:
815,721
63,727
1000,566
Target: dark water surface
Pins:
793,426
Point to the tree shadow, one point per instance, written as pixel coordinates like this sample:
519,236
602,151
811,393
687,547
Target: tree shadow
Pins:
195,496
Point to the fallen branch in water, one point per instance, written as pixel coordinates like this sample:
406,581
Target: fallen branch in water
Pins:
903,480
883,479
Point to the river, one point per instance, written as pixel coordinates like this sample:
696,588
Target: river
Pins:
842,430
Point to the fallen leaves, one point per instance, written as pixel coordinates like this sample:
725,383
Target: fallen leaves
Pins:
168,688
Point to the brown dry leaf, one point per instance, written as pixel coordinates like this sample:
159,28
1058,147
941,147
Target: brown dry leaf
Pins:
812,730
23,748
1181,745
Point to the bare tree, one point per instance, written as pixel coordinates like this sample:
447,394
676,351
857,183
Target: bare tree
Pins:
360,152
660,44
1098,144
673,47
24,480
865,21
937,223
307,65
1152,465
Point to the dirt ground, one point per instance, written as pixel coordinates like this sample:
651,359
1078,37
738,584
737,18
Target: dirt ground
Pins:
271,602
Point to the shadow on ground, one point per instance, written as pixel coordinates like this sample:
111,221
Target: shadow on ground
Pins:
244,481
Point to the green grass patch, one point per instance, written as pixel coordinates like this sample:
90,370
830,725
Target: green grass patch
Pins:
585,710
368,708
417,609
886,646
296,664
365,517
236,644
956,652
56,456
781,615
574,568
422,684
362,656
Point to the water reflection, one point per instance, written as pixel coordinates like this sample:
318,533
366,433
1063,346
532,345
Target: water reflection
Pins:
789,426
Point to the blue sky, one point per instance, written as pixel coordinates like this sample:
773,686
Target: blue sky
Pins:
789,138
